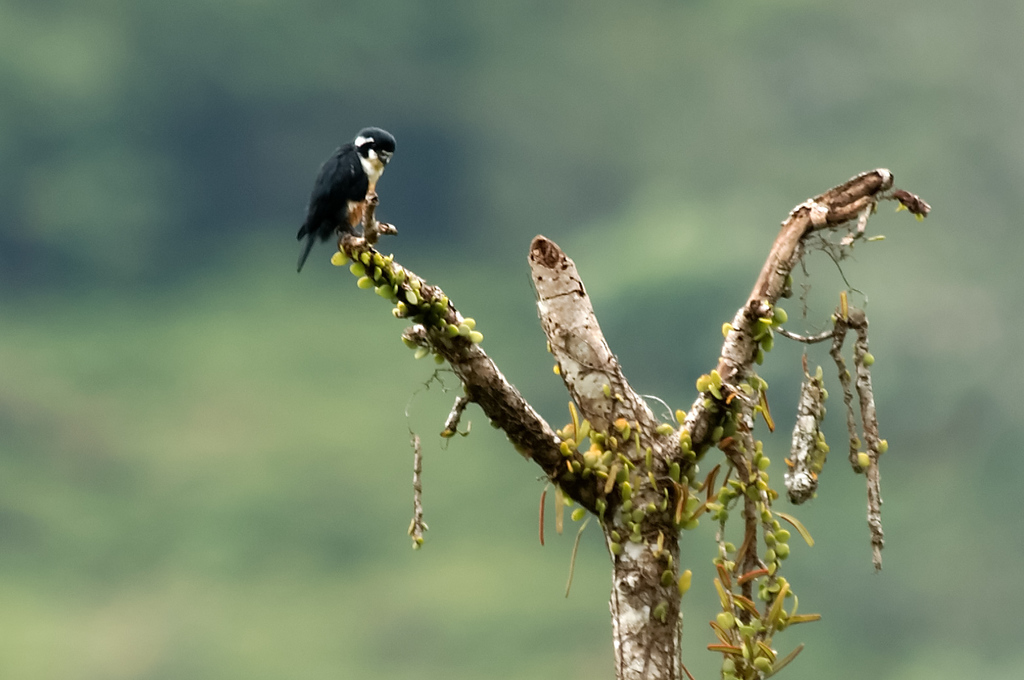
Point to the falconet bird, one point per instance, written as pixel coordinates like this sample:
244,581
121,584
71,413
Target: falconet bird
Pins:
338,201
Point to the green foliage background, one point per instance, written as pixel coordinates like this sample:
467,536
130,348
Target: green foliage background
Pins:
204,460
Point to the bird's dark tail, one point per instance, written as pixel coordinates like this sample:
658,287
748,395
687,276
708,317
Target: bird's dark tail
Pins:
306,247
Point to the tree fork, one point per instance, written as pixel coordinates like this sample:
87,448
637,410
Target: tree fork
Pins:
638,474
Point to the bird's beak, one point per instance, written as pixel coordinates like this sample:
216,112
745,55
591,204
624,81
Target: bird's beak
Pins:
384,156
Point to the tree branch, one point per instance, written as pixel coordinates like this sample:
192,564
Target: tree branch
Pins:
830,209
417,526
441,329
646,626
862,360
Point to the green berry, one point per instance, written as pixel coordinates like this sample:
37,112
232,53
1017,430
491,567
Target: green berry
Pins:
685,579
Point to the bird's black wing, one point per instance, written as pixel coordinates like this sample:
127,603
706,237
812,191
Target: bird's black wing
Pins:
341,179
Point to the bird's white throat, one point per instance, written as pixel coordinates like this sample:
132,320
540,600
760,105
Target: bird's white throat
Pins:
372,166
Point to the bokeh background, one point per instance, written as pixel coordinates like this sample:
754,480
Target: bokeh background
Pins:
204,458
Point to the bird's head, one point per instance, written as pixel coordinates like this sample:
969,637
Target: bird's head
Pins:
375,144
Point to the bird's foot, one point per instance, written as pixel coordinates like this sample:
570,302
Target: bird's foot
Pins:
373,230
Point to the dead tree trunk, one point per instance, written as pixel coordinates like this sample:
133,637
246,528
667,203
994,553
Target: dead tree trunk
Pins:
640,477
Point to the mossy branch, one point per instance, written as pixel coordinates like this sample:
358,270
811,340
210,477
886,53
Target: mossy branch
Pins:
439,328
866,461
857,197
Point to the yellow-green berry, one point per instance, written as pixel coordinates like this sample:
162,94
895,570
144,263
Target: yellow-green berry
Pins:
685,579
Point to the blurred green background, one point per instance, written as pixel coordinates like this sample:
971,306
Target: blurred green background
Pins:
204,458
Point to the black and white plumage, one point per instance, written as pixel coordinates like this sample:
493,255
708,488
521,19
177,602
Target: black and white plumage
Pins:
338,201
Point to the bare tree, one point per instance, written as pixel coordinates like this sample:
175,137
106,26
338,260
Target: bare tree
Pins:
641,478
